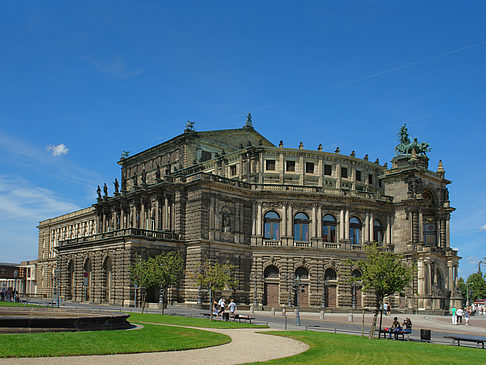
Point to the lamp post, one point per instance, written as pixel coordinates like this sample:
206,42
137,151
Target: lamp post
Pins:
353,298
297,291
324,294
16,276
255,278
289,278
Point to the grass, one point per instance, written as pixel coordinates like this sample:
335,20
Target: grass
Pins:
189,321
12,304
329,348
148,339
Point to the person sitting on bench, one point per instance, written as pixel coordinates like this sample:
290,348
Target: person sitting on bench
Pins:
395,328
407,326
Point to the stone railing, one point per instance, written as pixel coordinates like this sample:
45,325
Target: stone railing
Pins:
302,244
272,243
133,232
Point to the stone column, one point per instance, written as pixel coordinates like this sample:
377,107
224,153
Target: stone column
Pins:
319,221
372,227
438,235
134,217
421,278
346,233
290,220
443,232
338,175
448,232
415,228
388,230
122,217
450,277
367,227
166,212
313,222
421,227
341,224
284,220
259,219
157,214
253,220
142,214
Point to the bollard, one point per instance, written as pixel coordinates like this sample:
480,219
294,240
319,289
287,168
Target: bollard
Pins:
272,311
252,310
321,314
350,317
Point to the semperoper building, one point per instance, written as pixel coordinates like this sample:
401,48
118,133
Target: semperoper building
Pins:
274,212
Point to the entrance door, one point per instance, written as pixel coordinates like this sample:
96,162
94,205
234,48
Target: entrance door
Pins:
271,294
304,295
358,298
331,296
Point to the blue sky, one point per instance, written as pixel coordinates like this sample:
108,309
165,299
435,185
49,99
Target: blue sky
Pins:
81,82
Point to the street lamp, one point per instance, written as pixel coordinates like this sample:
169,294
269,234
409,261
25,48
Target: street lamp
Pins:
297,291
353,298
255,278
324,294
289,277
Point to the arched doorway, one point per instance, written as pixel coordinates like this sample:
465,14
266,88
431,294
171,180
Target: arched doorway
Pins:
330,288
87,280
70,281
302,277
356,296
271,286
108,280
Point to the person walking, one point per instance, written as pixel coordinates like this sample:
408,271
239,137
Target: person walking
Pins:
454,318
467,316
232,308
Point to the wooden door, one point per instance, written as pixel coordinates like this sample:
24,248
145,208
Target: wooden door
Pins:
304,295
331,296
271,294
358,298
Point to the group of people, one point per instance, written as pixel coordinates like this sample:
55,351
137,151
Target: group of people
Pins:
219,308
458,314
9,295
397,328
478,309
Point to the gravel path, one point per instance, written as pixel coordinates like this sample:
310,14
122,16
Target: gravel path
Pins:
246,346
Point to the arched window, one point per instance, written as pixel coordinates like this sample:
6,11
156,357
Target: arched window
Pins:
356,273
271,272
301,227
330,274
355,230
108,279
272,226
377,231
329,228
302,273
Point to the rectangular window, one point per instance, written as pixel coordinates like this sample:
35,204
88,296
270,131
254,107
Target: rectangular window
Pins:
344,172
290,166
205,155
370,179
270,165
328,170
309,167
358,175
233,170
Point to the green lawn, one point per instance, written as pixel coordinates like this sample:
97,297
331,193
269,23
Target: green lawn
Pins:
329,348
150,338
12,304
188,321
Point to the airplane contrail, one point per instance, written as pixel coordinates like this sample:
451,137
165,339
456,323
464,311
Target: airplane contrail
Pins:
359,79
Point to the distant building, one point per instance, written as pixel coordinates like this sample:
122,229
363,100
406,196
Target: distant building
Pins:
12,276
276,213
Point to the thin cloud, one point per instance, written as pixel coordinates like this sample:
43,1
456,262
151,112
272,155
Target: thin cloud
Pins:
57,150
20,198
483,228
117,68
21,153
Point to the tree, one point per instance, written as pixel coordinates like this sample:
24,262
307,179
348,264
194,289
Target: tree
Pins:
215,276
160,271
384,273
477,286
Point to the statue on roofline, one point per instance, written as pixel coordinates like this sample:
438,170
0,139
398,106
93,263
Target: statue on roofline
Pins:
189,126
249,122
99,192
105,190
117,185
407,148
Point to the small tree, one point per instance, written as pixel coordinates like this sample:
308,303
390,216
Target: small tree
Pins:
160,271
214,277
384,273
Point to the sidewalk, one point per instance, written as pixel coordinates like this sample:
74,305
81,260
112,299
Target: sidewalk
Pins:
246,346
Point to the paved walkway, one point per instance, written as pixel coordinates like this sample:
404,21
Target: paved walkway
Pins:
246,346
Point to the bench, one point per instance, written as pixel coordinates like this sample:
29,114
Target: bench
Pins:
224,316
397,335
467,339
240,317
